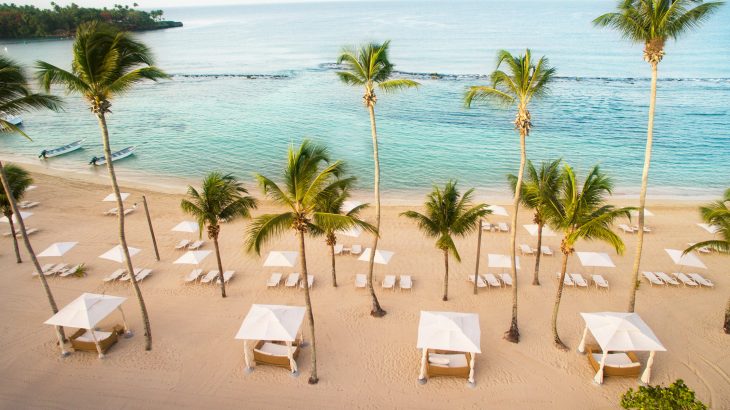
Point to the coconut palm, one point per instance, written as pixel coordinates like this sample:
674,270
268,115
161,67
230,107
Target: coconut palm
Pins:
717,214
448,214
538,190
523,82
369,67
18,180
222,199
106,63
309,179
581,213
652,23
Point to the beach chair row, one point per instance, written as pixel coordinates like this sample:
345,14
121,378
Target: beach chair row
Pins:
115,211
686,279
633,228
490,280
340,249
292,281
498,227
389,282
121,275
578,281
527,250
187,244
18,234
196,275
61,269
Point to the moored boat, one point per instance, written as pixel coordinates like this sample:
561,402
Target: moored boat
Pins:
122,153
13,119
65,149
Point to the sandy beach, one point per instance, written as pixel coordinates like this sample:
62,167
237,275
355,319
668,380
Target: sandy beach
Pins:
363,362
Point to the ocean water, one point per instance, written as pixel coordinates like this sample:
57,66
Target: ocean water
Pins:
250,80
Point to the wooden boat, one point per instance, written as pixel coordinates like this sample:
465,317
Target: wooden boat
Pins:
122,153
13,119
48,153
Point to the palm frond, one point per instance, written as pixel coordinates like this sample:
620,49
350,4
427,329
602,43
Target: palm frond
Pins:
265,227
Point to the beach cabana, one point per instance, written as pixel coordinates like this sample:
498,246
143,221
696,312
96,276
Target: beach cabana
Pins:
84,313
448,341
619,335
275,328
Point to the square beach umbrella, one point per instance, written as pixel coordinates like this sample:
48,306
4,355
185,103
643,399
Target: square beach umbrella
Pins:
635,213
113,198
595,259
186,226
498,210
24,215
532,229
353,232
381,257
690,260
348,206
192,257
57,249
117,255
495,260
713,229
287,259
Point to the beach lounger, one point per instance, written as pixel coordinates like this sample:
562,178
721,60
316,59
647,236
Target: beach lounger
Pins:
19,234
114,275
143,274
83,341
686,281
526,249
579,280
703,249
111,212
653,279
28,204
44,269
626,228
481,283
666,278
616,364
56,269
701,280
69,271
227,275
275,353
182,244
503,227
126,276
486,226
567,281
195,245
356,249
636,228
448,363
361,280
130,210
506,278
546,250
193,275
405,282
600,282
492,280
388,282
338,249
274,280
210,277
310,282
292,280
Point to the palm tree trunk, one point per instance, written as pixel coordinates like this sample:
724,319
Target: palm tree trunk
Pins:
376,310
556,339
334,273
479,250
15,239
513,334
313,379
727,318
122,237
446,275
536,277
220,265
644,183
29,248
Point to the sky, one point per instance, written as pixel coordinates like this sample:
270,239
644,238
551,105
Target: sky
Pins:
151,4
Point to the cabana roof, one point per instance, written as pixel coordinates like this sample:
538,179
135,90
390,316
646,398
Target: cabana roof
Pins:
449,331
272,322
86,311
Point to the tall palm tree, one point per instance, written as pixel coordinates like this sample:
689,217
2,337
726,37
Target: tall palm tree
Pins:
334,204
370,68
653,22
448,214
717,214
581,213
524,81
538,191
106,63
308,180
15,98
222,199
18,180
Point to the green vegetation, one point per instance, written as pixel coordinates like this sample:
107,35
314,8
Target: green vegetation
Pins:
675,397
29,21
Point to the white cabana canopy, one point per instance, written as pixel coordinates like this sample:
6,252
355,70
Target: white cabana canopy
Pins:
286,259
274,323
713,229
595,259
57,249
192,257
117,255
690,259
24,215
186,226
620,331
546,231
498,210
353,232
635,213
113,198
452,331
381,257
496,260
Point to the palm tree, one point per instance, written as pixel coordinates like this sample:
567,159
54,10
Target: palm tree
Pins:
653,22
15,98
308,180
334,204
448,214
370,68
222,199
18,180
106,63
538,191
523,81
717,214
582,213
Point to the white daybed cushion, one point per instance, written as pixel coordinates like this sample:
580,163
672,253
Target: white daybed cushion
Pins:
86,337
452,360
274,349
620,360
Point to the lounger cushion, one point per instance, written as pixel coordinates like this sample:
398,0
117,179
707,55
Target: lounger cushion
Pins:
620,360
86,337
452,360
443,361
274,349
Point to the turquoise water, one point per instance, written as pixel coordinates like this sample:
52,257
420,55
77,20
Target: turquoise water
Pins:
249,80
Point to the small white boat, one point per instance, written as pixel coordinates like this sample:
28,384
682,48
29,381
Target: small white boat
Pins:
13,119
122,153
48,153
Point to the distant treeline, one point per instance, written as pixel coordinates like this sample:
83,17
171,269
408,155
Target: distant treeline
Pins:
29,21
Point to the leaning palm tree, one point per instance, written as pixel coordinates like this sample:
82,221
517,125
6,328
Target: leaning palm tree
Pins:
717,214
18,180
370,68
538,191
448,214
524,81
308,180
106,63
582,214
653,22
222,199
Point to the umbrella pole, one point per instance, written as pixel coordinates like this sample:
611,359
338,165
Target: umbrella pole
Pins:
582,345
292,362
647,372
471,369
598,379
422,377
246,357
96,342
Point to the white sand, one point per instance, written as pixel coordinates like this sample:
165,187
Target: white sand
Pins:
363,362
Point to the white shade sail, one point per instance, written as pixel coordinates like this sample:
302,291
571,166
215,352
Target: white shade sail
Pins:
187,226
24,215
192,257
498,210
286,259
449,331
635,213
86,311
353,232
595,259
713,229
348,206
381,257
271,322
621,331
30,188
501,261
690,259
117,255
57,249
113,198
546,231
